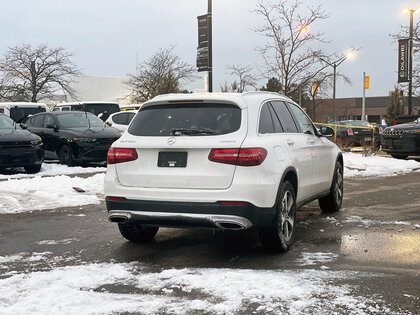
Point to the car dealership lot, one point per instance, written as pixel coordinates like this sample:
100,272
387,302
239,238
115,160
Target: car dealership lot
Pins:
364,259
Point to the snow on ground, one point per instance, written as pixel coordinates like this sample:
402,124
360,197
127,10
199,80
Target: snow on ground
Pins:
53,242
371,166
310,259
22,195
93,289
51,169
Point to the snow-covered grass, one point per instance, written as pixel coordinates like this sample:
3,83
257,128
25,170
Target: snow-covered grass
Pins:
92,289
22,195
52,169
371,166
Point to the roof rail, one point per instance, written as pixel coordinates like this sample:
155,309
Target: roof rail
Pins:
261,92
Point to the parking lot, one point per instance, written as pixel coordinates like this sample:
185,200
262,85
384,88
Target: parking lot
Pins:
364,259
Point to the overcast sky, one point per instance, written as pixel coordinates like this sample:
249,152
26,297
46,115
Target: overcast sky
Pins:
104,35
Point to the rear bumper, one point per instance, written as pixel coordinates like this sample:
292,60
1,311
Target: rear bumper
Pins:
190,214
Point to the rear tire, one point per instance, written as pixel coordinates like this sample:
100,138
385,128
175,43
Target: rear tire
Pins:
399,156
333,201
280,234
33,169
135,232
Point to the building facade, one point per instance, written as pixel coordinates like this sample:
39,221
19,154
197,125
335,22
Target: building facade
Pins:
351,108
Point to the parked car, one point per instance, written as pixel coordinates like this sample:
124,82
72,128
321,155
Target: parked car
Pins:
18,147
121,120
19,111
73,137
224,161
100,109
402,140
348,136
402,119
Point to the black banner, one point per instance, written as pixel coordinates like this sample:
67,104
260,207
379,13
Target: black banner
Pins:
403,59
203,43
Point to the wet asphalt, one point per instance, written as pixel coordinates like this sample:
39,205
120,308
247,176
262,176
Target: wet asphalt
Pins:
363,235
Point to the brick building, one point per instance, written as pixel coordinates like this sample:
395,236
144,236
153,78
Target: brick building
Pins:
351,108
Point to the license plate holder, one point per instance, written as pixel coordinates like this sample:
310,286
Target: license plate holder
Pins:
172,159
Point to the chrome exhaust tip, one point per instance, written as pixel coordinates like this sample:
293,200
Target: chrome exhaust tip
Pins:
118,218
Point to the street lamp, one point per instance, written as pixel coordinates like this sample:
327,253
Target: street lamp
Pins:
410,69
335,64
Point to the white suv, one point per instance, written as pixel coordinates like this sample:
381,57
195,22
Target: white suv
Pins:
226,161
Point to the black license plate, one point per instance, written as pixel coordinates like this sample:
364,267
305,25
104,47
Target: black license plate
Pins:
172,159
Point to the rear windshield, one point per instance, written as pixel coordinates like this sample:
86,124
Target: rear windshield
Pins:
192,119
19,114
360,123
101,110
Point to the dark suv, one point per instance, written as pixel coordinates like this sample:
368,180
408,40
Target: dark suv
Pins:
73,137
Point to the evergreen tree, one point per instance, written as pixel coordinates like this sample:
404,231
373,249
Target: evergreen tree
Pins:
395,107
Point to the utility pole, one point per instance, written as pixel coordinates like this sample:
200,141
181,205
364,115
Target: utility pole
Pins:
334,84
364,98
210,72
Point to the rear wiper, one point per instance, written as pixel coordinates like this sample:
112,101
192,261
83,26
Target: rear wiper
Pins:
186,131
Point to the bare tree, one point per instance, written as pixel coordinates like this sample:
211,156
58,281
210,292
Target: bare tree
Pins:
33,74
243,78
163,73
289,53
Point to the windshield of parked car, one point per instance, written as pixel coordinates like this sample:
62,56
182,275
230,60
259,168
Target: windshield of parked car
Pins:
190,119
78,120
360,123
102,110
6,122
18,114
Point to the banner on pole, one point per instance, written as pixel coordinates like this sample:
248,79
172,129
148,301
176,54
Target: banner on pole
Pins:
403,57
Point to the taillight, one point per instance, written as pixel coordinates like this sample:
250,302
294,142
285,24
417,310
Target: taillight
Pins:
110,198
120,155
241,157
394,122
349,132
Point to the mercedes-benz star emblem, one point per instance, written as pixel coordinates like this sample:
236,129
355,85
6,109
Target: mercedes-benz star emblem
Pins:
171,140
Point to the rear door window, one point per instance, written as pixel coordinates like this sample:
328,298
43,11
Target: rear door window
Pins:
190,119
286,119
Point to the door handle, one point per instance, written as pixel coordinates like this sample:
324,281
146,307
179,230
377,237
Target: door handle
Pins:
290,142
312,141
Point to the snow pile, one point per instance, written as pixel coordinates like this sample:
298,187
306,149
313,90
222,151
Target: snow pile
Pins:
309,259
86,289
50,169
364,166
49,193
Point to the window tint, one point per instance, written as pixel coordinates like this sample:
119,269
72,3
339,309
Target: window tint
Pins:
121,119
78,120
18,114
1,110
49,120
38,121
283,114
266,121
304,123
65,109
56,109
192,119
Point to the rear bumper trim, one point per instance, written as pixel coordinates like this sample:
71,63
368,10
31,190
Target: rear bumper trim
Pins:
231,222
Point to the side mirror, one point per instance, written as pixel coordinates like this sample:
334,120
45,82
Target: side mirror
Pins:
326,131
109,124
23,126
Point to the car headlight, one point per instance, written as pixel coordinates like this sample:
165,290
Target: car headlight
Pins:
85,139
36,143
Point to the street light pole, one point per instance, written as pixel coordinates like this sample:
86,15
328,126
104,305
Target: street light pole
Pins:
410,82
210,72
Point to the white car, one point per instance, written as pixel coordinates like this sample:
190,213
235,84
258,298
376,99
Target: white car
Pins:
226,161
121,120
